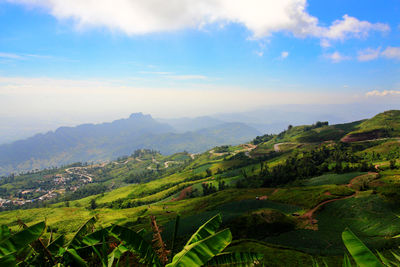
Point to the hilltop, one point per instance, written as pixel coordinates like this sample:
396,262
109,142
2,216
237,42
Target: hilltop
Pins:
383,125
288,196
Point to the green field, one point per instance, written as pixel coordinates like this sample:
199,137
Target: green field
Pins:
332,178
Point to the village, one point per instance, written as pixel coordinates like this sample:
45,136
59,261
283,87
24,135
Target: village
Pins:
49,187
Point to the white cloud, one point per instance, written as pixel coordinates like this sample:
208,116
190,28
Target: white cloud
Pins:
10,56
22,56
325,43
383,93
261,17
284,54
352,27
336,57
392,52
368,54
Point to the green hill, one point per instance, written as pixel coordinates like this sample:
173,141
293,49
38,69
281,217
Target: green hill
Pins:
288,195
383,125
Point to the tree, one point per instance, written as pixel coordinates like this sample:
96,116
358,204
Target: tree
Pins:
93,204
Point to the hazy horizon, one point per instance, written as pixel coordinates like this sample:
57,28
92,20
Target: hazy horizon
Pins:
13,129
67,63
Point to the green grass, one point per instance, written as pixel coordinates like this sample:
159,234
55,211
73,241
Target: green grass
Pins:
371,218
308,197
332,178
229,211
386,124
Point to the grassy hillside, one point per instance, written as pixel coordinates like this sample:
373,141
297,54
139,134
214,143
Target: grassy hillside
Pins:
383,125
290,195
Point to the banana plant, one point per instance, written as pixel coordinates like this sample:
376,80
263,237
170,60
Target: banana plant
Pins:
359,251
206,246
363,256
11,245
107,246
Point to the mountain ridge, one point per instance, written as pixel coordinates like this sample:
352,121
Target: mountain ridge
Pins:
105,141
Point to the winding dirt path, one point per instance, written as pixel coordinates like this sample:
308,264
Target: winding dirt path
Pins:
276,146
309,214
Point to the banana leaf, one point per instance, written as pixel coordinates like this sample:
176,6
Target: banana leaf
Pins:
73,257
21,239
135,243
346,261
200,252
56,244
385,261
237,259
360,253
82,231
9,261
116,254
207,229
96,237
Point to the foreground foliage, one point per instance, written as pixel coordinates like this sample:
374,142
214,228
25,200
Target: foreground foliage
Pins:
117,245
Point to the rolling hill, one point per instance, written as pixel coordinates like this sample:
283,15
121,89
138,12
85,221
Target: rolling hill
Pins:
287,196
383,125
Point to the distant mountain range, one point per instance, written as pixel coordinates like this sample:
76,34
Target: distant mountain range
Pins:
99,142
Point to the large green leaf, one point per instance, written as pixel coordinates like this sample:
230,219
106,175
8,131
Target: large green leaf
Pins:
96,237
21,239
116,254
56,244
82,231
236,259
346,261
360,253
74,258
8,261
385,260
135,243
200,252
207,229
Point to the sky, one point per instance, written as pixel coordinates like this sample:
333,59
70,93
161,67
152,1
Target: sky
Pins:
93,60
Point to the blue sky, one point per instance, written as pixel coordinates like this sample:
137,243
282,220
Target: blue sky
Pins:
194,57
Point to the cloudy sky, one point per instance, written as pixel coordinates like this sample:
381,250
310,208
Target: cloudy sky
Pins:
82,60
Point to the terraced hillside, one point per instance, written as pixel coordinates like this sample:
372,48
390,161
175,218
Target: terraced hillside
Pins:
287,196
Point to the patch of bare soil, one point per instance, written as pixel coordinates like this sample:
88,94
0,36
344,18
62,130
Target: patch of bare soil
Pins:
183,194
